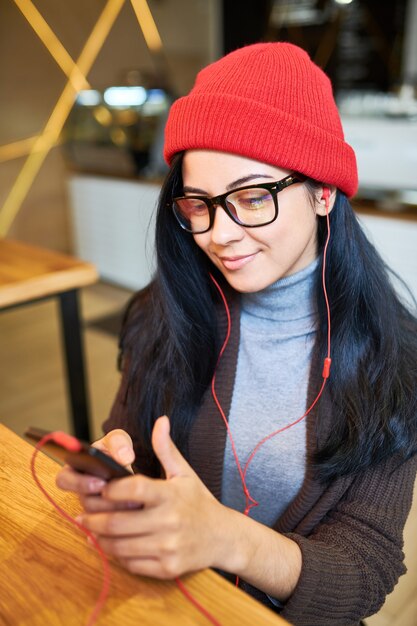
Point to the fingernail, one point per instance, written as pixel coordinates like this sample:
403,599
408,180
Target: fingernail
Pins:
133,505
95,484
125,455
79,519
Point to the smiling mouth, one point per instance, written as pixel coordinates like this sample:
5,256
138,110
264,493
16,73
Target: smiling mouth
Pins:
236,262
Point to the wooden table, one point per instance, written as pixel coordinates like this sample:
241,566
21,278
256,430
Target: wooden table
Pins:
50,576
29,274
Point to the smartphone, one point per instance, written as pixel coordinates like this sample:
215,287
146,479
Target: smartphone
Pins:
79,455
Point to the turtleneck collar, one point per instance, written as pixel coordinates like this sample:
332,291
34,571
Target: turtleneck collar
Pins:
289,300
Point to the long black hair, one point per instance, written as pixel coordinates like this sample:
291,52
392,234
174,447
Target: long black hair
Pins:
169,342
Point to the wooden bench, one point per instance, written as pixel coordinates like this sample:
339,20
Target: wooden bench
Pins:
28,274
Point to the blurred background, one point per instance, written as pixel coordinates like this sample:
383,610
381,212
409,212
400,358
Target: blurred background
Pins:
85,88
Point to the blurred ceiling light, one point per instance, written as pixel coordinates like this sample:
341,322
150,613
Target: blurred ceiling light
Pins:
156,96
343,1
88,97
302,12
156,103
147,24
125,96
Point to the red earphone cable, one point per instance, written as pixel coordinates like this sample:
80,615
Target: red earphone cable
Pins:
67,440
327,360
199,606
250,501
216,400
326,193
105,564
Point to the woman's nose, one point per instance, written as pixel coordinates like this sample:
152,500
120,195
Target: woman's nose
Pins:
224,229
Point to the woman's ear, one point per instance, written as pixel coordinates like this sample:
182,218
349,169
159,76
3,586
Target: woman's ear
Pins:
324,194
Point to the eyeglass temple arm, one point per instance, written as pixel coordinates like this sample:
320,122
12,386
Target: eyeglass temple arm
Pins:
292,178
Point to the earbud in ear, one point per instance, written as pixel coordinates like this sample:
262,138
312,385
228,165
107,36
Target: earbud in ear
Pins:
326,193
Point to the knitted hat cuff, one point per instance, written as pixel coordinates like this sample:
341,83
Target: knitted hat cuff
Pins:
249,128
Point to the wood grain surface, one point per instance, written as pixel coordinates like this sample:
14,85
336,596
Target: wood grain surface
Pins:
28,272
49,575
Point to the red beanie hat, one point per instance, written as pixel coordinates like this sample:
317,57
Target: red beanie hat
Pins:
271,103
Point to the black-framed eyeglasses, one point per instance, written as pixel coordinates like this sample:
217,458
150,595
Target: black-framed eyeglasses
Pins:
251,206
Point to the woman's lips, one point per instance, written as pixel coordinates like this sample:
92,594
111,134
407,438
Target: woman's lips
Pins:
236,262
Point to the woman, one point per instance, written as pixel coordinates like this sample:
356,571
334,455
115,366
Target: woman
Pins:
296,480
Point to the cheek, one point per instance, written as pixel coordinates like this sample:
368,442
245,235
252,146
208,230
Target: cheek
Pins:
298,223
291,233
202,241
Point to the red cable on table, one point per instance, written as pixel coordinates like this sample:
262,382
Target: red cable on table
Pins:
71,443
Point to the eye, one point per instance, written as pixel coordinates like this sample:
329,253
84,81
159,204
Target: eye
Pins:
192,206
253,199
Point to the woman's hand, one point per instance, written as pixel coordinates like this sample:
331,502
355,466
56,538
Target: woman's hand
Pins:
116,444
180,526
166,527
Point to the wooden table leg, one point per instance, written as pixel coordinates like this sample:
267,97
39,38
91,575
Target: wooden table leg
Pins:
74,358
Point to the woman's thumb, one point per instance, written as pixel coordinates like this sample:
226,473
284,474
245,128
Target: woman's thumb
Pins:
168,454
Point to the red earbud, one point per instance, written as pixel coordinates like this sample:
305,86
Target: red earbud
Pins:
326,194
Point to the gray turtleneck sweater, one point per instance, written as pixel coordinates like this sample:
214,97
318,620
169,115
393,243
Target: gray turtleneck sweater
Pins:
277,333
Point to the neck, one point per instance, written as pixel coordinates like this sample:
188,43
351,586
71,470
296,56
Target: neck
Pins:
288,299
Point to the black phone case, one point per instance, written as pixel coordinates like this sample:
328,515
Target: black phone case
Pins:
88,460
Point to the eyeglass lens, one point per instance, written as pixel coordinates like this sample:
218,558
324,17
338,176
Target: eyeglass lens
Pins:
250,207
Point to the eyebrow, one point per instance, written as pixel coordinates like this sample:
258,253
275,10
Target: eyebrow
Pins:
235,183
